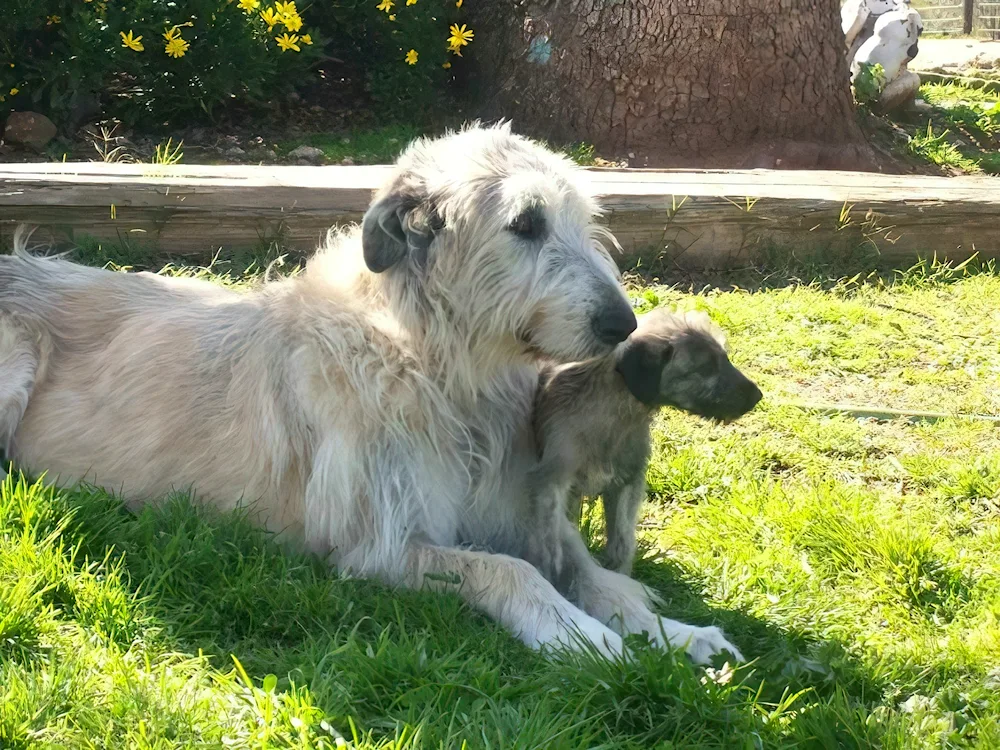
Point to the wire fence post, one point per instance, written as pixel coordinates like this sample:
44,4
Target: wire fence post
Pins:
967,16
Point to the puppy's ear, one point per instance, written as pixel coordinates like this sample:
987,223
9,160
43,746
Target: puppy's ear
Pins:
640,363
397,225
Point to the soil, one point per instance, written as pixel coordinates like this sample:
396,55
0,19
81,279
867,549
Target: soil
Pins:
330,106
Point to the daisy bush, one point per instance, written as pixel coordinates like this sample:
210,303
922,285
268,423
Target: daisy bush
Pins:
406,52
157,61
151,60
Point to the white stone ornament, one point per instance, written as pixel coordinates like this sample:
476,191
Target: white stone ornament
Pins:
884,32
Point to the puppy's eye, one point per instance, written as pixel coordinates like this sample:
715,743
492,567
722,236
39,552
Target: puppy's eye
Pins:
527,225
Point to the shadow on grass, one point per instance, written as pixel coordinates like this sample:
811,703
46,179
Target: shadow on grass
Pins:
778,266
213,584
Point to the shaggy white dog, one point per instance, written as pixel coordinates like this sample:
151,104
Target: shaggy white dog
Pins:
376,406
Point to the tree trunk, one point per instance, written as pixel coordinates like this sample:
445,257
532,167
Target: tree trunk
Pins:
751,83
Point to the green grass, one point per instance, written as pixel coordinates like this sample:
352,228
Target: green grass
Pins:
961,133
855,561
382,145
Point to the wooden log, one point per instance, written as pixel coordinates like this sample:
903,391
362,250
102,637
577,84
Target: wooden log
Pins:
690,219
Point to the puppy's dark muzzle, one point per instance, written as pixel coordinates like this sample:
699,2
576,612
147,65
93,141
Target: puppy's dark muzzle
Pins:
745,395
614,322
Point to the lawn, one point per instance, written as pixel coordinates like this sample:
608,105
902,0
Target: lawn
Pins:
960,133
856,563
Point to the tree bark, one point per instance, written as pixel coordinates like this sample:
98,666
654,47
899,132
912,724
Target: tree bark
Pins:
674,82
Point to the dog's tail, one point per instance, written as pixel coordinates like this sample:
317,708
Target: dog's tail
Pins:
38,251
22,234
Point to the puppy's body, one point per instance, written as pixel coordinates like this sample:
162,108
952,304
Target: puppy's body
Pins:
593,439
592,422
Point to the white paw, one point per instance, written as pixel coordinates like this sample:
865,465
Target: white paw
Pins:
701,644
578,632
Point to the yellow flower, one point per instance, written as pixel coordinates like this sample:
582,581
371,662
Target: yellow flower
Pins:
288,42
306,39
411,2
172,33
392,16
176,47
131,42
446,65
270,18
14,91
411,57
458,3
249,6
460,37
49,20
292,22
286,9
386,5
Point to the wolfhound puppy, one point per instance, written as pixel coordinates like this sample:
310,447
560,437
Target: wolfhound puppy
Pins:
376,406
592,422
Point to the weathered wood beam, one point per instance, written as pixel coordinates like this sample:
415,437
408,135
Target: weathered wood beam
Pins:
714,219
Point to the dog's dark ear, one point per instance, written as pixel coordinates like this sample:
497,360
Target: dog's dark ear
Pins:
394,226
640,363
382,237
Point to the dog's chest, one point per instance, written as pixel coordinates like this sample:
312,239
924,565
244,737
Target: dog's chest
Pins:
616,457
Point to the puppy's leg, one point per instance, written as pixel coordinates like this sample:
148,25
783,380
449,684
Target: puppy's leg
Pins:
621,514
549,486
510,591
624,604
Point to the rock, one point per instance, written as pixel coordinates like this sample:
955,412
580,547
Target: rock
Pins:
307,154
234,153
29,129
347,161
899,92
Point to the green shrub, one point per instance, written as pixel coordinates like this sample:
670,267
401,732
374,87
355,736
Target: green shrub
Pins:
150,60
405,51
869,83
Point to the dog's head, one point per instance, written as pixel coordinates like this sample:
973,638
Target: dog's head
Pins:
681,361
493,236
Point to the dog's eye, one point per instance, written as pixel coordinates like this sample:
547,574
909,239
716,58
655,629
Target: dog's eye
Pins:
527,225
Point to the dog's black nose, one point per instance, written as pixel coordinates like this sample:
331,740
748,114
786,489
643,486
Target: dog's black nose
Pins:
614,323
753,395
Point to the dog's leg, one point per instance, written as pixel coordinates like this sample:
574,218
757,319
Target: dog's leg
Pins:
19,361
510,591
621,514
624,604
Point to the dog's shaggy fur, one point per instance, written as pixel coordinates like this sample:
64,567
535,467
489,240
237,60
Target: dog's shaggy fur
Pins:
376,406
592,422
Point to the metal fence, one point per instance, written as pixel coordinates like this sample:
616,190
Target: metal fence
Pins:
979,18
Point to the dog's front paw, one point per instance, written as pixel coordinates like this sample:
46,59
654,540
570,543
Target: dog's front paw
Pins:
701,644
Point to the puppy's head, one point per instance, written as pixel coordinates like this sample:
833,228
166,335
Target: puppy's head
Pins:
681,361
492,237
